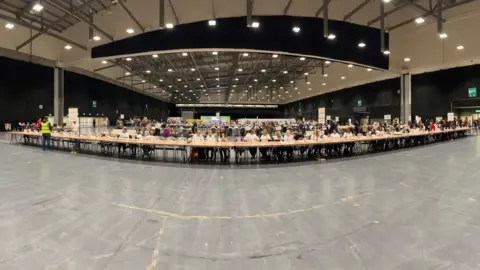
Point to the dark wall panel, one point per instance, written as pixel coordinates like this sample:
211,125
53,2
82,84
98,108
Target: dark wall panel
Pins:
379,98
433,93
236,113
24,86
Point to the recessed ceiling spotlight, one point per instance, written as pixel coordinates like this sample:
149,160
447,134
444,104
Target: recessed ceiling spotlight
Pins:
325,75
460,47
216,68
266,87
217,79
291,81
331,36
443,35
37,7
308,82
369,69
255,24
255,80
386,1
104,62
274,80
127,73
343,78
185,86
236,79
302,58
263,70
245,54
161,80
170,70
143,81
296,29
179,80
362,45
128,59
215,53
419,20
9,26
274,55
240,70
148,71
184,54
309,89
169,86
97,38
155,55
212,22
68,47
198,79
406,59
192,69
327,62
249,86
386,52
130,31
324,84
169,25
285,72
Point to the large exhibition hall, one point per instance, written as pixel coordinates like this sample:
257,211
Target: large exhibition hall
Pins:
239,134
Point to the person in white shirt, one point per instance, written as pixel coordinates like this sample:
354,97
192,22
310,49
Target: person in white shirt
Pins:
348,135
123,146
314,149
210,138
197,138
251,137
288,137
265,138
223,151
335,135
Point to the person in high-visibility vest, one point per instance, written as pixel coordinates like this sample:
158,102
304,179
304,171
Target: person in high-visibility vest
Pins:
46,129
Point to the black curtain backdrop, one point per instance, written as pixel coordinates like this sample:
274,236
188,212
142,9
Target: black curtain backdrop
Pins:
24,86
377,99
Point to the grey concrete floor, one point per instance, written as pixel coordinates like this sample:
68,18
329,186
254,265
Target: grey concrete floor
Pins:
409,209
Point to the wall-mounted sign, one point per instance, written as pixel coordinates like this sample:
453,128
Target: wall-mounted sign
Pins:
387,117
359,103
450,116
337,119
477,111
472,92
94,104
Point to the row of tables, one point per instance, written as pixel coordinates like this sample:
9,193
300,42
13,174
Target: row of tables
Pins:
183,144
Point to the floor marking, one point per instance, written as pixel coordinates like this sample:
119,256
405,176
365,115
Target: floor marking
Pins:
155,253
200,217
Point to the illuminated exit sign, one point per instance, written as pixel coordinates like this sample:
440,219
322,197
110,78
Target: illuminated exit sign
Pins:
472,92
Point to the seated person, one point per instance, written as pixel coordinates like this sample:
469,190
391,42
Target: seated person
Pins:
288,137
223,151
123,135
252,137
348,135
211,139
265,138
298,137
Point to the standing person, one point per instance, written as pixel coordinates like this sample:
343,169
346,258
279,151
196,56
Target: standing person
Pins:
46,129
38,124
194,127
94,123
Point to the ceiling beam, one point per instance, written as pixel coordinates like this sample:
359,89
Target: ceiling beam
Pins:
177,21
424,10
30,26
426,14
161,15
322,7
388,13
60,20
232,77
81,18
249,12
105,67
130,14
289,4
355,10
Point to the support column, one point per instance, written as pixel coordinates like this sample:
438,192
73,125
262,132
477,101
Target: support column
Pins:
58,94
406,98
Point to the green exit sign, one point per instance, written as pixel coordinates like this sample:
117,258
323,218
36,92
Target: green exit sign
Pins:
359,103
477,111
472,92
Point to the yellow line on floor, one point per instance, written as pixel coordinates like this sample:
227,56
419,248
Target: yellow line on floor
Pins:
155,253
199,217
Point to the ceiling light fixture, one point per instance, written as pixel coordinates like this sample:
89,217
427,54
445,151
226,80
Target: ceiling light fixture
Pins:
127,73
324,84
274,55
216,68
331,36
245,54
161,80
143,81
128,59
419,20
68,47
302,58
327,62
170,70
443,35
212,22
406,59
296,29
148,71
362,45
308,82
350,65
369,69
263,70
155,55
325,75
169,25
240,70
274,80
343,78
9,26
285,72
460,47
215,53
192,69
37,7
97,38
386,52
255,24
104,62
130,31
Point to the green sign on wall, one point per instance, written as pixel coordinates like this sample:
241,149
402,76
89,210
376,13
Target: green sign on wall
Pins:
94,104
472,92
359,103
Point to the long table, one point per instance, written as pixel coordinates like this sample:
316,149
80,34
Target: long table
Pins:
184,145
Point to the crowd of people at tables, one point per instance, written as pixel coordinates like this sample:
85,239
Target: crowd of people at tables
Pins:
265,131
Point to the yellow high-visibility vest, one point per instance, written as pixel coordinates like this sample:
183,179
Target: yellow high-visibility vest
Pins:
45,128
